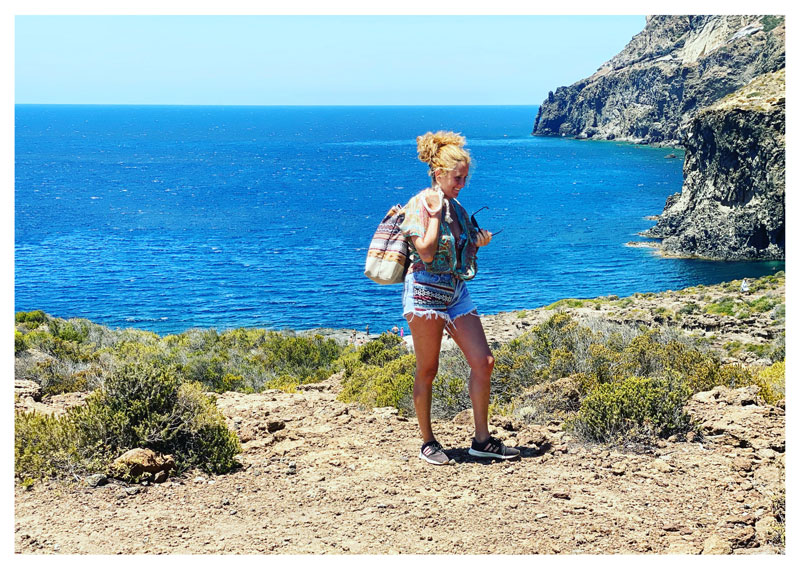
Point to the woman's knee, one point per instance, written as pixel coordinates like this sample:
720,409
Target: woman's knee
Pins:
427,373
483,365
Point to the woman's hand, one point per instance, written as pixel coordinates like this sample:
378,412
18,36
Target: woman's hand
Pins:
484,238
432,200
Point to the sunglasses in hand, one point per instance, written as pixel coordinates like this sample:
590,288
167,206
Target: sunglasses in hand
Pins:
475,223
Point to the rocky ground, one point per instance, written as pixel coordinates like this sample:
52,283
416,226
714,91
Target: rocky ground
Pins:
320,476
333,479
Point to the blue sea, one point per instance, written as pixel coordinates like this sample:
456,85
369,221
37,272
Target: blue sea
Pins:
166,218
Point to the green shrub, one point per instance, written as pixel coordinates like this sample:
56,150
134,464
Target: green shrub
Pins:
558,399
726,307
566,303
772,381
75,331
309,359
48,446
778,530
763,304
35,317
388,385
241,359
20,344
58,377
450,388
378,373
769,282
632,407
140,405
771,22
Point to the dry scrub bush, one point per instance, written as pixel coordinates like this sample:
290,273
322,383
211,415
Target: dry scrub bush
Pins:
140,405
68,355
633,407
608,378
379,373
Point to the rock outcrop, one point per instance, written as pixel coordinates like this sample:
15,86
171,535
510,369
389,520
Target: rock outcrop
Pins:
667,73
732,204
141,463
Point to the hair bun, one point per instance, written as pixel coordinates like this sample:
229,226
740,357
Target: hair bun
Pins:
429,144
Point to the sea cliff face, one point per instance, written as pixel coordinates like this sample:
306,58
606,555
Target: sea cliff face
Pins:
732,205
676,66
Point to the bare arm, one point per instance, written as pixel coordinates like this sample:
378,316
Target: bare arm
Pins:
426,245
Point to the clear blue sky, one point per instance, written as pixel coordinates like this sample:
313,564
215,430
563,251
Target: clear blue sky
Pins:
302,60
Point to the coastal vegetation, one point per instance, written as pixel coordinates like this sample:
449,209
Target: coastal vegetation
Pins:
147,391
606,380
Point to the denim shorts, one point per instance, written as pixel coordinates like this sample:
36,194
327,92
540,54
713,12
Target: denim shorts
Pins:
436,295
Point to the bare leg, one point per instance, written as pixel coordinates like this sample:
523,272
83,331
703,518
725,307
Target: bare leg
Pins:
427,336
468,334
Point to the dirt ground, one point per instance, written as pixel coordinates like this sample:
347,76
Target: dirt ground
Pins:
333,479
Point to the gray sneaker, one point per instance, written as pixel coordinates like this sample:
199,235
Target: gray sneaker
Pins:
492,448
432,452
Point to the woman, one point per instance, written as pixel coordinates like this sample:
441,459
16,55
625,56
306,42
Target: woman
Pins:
443,245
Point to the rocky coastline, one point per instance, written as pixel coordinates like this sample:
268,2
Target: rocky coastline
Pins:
715,86
732,205
674,68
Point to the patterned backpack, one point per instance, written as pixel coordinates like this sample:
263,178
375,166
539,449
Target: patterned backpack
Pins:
387,257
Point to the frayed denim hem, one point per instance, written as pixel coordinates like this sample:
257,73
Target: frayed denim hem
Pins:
452,322
427,314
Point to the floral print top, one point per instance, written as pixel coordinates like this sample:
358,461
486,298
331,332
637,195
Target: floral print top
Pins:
449,252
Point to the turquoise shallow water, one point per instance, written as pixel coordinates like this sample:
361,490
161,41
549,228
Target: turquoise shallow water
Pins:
166,218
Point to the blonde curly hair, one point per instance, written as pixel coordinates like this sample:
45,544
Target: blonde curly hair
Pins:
442,151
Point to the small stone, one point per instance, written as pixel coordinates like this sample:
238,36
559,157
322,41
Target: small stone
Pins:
619,468
463,417
744,536
766,453
199,479
682,547
132,490
662,466
765,528
716,545
96,480
561,494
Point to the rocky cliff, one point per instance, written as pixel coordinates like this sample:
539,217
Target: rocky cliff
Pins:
732,205
667,73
